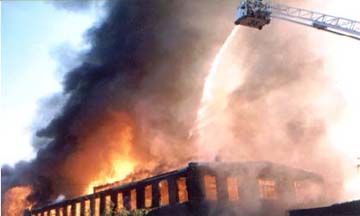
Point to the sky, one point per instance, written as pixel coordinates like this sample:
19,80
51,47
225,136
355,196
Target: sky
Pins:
32,35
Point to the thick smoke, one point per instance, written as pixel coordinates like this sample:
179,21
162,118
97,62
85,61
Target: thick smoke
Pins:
283,105
142,75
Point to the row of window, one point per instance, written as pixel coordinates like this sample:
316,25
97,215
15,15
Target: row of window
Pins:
127,202
210,186
267,190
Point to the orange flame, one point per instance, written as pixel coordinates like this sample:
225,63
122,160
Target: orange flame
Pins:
121,165
15,201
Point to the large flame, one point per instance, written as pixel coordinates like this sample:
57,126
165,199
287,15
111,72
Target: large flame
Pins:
121,164
120,168
15,201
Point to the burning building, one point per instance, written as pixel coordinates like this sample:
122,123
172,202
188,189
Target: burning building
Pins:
251,188
129,105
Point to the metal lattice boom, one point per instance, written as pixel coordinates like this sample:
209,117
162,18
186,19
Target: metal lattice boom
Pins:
315,19
257,13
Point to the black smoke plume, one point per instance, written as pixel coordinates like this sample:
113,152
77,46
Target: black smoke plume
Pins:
146,62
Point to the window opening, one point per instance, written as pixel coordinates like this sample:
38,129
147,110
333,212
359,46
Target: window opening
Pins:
232,188
182,190
148,196
210,187
164,192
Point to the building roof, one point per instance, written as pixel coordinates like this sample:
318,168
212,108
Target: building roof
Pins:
348,208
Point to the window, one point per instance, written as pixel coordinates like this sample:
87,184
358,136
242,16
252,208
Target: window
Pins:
53,212
267,189
210,187
299,189
61,212
164,192
77,209
68,210
46,213
182,190
148,196
108,204
97,206
87,208
127,201
120,202
133,199
232,188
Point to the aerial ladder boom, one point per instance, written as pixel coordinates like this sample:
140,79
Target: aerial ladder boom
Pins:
257,13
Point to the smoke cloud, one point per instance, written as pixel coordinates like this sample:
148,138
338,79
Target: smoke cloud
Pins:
283,104
142,77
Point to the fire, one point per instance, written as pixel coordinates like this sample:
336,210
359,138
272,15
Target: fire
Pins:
15,201
121,163
121,169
